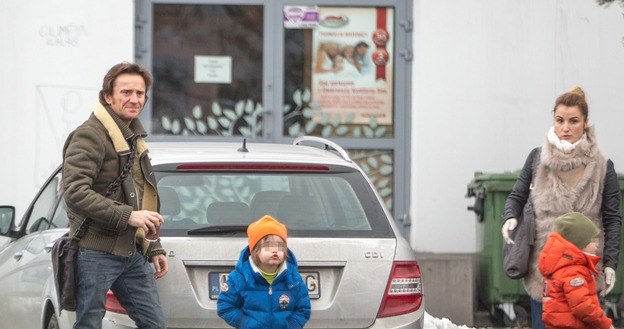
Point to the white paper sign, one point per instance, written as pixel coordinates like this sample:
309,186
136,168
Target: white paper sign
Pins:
213,69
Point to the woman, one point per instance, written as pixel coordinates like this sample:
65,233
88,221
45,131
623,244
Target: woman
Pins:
572,175
325,56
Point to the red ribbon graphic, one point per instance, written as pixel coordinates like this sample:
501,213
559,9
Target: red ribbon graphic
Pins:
380,38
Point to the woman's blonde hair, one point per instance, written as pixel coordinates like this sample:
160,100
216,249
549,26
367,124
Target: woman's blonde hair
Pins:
575,96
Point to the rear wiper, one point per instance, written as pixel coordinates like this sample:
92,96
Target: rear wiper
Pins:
217,229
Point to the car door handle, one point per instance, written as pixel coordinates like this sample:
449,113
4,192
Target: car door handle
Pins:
18,255
48,247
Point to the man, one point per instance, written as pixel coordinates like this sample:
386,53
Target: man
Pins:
111,188
363,62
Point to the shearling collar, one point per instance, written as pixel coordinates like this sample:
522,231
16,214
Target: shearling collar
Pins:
119,131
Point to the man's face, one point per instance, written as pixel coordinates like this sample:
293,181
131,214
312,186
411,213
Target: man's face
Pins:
361,50
128,97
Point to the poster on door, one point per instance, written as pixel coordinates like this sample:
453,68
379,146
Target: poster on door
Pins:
352,66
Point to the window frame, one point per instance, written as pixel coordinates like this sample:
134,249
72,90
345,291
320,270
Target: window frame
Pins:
273,86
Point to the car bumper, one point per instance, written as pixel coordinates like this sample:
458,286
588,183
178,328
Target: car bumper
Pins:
414,320
117,321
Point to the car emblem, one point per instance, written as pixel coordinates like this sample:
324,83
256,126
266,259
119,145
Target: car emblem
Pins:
284,300
225,287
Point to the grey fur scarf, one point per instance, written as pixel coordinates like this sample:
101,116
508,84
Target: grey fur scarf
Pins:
553,198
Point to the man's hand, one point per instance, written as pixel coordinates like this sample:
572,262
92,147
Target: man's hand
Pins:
161,266
145,219
609,280
508,227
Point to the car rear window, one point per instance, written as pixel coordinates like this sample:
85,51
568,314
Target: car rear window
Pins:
320,204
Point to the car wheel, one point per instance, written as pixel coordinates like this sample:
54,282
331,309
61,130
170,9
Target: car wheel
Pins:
53,323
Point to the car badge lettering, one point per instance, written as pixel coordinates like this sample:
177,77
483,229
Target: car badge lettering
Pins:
284,300
372,254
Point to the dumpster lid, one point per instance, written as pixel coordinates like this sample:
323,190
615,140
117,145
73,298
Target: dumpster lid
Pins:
492,182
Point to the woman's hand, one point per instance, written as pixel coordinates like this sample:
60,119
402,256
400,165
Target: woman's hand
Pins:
609,280
509,226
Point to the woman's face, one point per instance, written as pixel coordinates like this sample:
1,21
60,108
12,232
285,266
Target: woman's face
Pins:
332,49
569,123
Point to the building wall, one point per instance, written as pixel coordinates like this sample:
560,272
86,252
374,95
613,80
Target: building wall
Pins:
53,57
485,78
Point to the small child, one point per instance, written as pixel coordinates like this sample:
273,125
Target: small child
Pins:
568,264
265,289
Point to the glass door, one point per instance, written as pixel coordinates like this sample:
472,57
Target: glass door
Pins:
345,78
207,59
273,70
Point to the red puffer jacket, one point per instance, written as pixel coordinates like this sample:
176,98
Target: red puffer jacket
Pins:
570,296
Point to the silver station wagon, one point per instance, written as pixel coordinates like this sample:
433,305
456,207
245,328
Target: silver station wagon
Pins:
359,271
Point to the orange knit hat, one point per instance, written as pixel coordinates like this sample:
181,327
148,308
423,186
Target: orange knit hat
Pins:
265,226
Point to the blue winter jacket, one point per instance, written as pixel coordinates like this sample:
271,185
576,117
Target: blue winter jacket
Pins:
248,301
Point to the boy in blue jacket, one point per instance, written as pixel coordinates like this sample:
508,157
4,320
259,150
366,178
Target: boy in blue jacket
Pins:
265,289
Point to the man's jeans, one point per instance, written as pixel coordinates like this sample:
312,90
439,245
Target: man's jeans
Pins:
130,278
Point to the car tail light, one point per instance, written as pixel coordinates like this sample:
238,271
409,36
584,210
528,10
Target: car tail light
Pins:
252,166
403,291
113,305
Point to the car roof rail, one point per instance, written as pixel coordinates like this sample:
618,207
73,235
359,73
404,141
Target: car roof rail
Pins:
327,145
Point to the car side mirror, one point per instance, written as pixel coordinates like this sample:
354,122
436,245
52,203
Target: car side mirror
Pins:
7,213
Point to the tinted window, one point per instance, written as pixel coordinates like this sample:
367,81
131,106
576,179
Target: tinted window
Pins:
207,62
60,219
39,217
310,204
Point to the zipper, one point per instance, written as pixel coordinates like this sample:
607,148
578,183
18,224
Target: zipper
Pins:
136,194
271,303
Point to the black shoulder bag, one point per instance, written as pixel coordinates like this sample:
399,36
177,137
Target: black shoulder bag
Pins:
65,248
516,257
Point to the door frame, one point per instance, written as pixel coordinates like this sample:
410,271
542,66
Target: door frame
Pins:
273,85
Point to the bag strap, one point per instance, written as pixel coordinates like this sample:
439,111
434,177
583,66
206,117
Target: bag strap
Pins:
531,227
82,229
534,165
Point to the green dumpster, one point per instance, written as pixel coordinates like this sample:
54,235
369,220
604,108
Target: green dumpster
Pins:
505,298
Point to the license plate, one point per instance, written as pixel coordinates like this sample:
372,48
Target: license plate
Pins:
312,280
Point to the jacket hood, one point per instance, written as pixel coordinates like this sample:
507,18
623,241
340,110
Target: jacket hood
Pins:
559,253
244,267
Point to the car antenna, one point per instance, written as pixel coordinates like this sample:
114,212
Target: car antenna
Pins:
244,148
